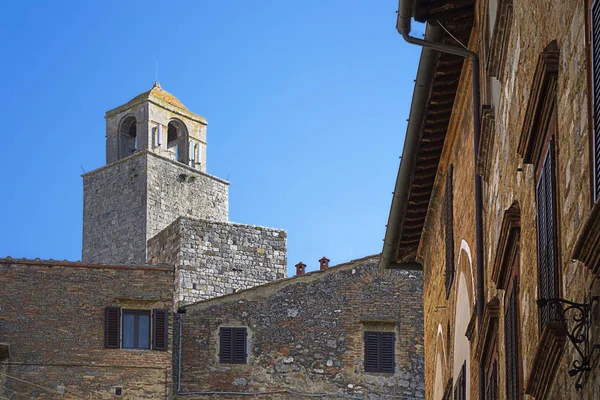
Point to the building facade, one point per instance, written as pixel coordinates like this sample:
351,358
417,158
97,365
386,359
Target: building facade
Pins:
172,300
497,197
350,330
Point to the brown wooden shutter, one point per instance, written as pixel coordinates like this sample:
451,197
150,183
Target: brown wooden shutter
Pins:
386,351
239,345
595,34
232,345
449,231
511,344
460,390
160,329
371,351
112,327
546,232
379,352
491,390
226,352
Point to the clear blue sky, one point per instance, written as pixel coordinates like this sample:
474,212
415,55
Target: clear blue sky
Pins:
306,104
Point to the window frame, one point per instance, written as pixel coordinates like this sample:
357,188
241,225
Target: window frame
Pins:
158,329
542,235
512,359
236,357
136,328
368,336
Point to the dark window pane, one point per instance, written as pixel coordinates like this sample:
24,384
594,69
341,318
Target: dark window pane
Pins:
128,330
144,332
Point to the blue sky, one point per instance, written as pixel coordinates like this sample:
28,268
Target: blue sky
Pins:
306,104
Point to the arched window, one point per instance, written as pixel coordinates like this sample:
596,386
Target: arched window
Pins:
177,140
128,140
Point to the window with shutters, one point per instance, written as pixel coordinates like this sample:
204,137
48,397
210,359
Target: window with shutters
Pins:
449,230
595,76
460,389
136,329
545,198
379,351
511,338
232,345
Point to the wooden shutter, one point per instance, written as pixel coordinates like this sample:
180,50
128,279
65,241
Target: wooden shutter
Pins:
595,35
112,327
379,352
239,345
371,351
511,342
546,232
386,351
160,329
449,231
232,345
491,391
226,352
460,390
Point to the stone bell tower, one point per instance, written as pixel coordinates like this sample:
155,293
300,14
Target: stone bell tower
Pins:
155,173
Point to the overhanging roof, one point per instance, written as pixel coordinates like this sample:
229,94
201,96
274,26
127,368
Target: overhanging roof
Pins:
421,166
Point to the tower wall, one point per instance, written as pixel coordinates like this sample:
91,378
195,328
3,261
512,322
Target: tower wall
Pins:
212,259
175,190
131,200
114,212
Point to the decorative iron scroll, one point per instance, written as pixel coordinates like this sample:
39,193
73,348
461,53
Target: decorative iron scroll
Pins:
576,321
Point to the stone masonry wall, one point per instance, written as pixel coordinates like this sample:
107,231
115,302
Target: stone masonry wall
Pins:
305,334
114,212
215,258
510,180
52,316
129,201
176,190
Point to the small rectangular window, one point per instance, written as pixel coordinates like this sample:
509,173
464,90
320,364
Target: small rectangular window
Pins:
460,389
379,351
136,329
232,345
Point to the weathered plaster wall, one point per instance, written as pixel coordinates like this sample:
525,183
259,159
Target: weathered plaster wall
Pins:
305,334
217,258
55,329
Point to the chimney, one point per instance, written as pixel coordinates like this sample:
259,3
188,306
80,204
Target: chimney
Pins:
324,262
300,268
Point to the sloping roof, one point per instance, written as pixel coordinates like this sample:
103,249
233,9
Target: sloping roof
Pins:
433,135
157,93
318,274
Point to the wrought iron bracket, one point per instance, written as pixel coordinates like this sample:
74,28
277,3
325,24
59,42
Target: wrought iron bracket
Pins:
576,320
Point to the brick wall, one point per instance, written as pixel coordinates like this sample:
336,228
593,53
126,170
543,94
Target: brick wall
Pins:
52,316
215,258
305,334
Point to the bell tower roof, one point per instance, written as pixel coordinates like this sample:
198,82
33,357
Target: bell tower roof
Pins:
155,93
161,98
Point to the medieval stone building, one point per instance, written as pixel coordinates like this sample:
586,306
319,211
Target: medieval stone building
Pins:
497,196
173,300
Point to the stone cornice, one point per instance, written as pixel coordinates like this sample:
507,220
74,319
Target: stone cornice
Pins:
508,244
587,247
546,360
489,326
500,36
486,144
542,100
